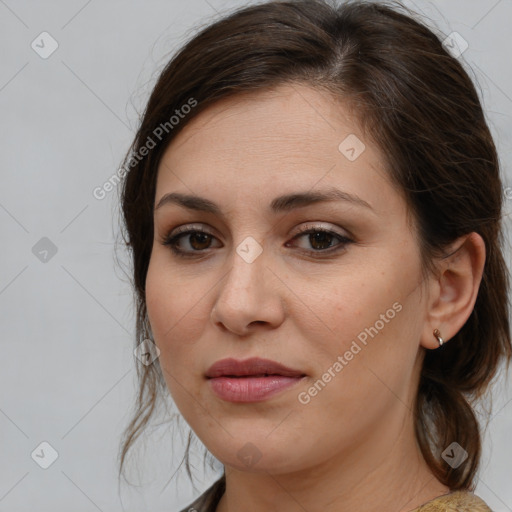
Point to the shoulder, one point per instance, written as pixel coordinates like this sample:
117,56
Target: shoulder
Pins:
209,500
456,501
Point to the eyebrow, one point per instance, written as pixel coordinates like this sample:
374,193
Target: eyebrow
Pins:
282,203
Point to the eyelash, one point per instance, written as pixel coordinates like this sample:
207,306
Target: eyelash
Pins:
173,240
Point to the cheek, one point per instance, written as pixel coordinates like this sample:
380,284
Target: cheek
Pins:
373,300
173,316
176,311
370,319
355,302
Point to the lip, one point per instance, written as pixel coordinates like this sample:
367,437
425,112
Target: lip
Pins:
254,366
250,380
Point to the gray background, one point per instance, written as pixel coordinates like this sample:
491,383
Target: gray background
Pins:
68,372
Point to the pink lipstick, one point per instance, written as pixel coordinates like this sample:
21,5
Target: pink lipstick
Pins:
250,380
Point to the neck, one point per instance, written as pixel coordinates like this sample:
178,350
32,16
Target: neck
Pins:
365,477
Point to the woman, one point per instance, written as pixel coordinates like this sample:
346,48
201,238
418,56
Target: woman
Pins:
313,205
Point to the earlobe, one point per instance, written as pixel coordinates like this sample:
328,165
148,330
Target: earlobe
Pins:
454,291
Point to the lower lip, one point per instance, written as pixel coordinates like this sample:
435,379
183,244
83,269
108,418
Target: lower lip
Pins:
250,389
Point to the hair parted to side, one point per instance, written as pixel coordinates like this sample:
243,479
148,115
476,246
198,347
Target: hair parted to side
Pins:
418,104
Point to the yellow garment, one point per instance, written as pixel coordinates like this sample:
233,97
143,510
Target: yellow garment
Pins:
456,501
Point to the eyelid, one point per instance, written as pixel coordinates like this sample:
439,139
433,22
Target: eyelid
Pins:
320,226
188,227
299,230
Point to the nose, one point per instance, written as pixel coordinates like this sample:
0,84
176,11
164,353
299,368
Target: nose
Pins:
249,297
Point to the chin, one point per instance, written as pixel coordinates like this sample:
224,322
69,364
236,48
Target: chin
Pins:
256,453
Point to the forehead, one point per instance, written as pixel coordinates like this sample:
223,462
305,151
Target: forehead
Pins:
287,120
288,138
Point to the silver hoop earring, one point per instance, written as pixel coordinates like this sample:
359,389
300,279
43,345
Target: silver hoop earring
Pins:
437,334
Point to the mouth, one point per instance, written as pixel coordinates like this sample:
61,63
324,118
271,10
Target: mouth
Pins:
251,380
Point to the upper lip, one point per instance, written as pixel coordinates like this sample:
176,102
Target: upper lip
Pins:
253,366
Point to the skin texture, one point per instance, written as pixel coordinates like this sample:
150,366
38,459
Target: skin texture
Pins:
353,443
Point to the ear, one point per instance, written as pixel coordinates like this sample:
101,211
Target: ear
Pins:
453,291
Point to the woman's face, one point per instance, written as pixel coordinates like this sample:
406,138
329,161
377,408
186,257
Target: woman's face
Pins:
329,288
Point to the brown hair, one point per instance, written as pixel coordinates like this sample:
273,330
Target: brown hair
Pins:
420,107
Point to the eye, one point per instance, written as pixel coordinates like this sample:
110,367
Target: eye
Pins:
196,239
191,242
322,240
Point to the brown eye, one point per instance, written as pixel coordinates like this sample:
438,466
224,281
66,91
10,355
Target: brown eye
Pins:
196,242
191,242
199,241
320,240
